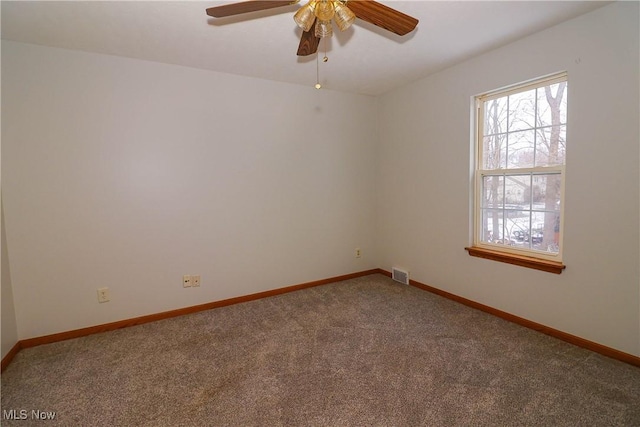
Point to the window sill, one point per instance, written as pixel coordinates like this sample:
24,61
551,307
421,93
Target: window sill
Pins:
523,261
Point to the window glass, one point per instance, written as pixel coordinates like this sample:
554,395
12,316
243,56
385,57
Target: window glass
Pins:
520,173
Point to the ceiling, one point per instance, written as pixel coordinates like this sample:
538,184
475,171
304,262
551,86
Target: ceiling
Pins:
364,59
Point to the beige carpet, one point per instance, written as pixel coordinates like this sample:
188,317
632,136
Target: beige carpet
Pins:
364,352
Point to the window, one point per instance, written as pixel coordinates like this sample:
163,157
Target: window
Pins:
519,175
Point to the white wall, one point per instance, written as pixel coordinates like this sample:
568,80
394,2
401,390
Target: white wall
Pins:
424,180
129,174
9,326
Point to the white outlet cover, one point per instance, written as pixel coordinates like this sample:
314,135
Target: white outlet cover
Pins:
103,295
186,281
195,280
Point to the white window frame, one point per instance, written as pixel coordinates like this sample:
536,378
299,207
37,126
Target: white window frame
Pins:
480,173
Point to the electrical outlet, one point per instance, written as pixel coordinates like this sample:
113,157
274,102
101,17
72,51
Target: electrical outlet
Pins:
358,253
195,281
186,281
103,295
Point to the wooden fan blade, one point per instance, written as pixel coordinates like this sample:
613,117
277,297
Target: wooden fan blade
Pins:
308,43
245,7
383,16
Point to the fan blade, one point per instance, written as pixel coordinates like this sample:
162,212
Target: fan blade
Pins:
245,7
308,43
383,16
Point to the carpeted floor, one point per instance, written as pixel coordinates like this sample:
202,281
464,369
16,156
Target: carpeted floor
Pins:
364,352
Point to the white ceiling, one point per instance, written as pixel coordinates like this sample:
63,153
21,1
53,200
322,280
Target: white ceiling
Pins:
364,59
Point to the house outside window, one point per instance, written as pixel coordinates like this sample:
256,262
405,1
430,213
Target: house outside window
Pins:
519,176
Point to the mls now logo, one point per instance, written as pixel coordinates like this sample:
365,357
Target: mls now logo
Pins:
23,414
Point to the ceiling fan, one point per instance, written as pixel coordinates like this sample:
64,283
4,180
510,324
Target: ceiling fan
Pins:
315,18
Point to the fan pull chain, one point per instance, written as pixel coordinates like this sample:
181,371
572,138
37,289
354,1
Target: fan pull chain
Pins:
318,85
324,59
324,41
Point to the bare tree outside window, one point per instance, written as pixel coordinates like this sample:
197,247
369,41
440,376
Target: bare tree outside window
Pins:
522,141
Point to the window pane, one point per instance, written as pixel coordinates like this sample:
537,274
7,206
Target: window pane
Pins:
491,225
493,191
495,116
522,110
494,153
537,227
521,149
545,231
517,191
551,146
546,192
552,105
519,228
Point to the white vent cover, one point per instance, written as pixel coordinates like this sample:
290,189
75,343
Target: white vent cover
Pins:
400,275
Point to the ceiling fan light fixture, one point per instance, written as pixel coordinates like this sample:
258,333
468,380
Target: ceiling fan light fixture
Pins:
322,13
325,10
323,29
344,17
305,16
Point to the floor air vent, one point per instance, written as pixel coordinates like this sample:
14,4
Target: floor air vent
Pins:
400,275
